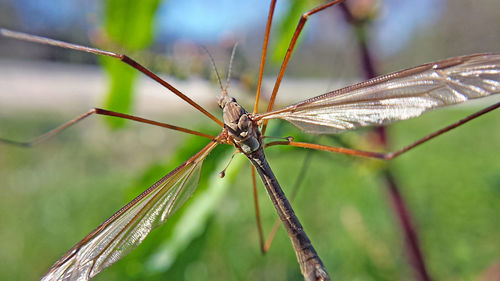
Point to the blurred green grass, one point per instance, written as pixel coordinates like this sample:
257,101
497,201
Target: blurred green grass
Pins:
54,194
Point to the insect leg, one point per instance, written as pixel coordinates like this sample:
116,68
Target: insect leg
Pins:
387,155
124,58
99,111
293,41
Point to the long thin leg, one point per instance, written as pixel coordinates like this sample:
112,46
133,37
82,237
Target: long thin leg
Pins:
99,111
263,247
264,55
386,155
124,58
300,26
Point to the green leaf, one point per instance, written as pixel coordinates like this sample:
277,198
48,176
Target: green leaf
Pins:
121,87
286,29
129,25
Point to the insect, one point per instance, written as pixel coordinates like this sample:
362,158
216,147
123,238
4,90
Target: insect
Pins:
313,115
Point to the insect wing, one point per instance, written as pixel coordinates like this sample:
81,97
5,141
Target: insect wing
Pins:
127,228
397,96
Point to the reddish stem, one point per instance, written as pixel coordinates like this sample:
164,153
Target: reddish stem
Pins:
399,206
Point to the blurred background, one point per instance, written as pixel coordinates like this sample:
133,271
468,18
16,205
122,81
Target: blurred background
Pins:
57,192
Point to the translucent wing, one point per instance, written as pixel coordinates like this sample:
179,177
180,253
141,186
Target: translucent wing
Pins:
127,228
396,96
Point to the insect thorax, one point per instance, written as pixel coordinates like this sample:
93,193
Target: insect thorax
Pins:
241,128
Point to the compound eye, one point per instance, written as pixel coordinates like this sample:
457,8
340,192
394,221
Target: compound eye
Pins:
221,102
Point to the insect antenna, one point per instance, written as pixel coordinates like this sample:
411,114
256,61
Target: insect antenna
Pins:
215,69
230,66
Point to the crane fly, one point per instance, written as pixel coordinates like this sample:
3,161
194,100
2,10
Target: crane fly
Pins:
393,97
